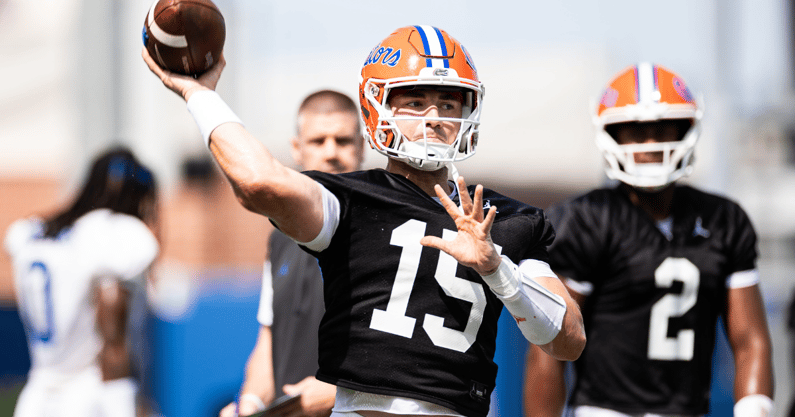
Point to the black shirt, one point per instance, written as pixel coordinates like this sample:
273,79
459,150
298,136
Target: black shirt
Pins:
297,310
650,320
406,320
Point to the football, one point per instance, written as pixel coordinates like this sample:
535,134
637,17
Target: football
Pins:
184,36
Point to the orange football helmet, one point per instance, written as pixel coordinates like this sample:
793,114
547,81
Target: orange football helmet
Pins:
645,93
419,56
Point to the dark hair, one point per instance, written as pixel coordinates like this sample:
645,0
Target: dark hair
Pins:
116,181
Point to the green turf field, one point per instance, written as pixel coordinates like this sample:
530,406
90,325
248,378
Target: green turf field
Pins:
8,397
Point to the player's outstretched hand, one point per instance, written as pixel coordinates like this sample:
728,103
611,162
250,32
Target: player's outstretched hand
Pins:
472,245
185,85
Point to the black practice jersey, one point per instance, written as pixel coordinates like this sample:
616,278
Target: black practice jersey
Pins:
650,320
406,320
297,310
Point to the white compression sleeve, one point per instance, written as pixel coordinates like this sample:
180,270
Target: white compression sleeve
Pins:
538,312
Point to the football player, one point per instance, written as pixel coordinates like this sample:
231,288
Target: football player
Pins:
653,265
328,139
73,273
415,274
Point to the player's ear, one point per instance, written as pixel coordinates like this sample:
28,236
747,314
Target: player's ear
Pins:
295,150
361,150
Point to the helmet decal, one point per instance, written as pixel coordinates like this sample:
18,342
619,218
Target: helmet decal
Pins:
468,58
682,89
610,97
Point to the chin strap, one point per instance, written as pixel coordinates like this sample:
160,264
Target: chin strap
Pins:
454,174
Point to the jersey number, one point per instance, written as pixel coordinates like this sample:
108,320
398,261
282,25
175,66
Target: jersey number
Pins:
662,347
394,320
40,311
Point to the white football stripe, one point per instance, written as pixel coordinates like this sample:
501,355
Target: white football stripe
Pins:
173,41
646,85
434,45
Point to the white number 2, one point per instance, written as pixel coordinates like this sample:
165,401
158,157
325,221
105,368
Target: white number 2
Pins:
662,347
394,320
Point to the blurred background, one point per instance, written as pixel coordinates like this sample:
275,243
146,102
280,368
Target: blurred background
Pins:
73,83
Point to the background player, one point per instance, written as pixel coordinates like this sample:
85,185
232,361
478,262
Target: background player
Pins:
653,265
327,139
409,327
72,273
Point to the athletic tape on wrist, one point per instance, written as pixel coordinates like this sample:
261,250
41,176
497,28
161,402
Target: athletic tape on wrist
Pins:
210,111
538,312
505,280
754,405
255,399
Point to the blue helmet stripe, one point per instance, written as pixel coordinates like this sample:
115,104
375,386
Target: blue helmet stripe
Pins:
425,45
656,82
444,47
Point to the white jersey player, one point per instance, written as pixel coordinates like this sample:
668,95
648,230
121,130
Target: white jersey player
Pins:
72,274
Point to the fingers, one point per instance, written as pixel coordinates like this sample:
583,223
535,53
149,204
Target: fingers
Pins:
150,62
184,85
291,389
478,203
247,409
448,204
228,411
470,207
165,76
209,78
466,202
489,220
434,242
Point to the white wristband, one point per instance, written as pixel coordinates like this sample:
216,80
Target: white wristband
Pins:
754,405
210,111
254,399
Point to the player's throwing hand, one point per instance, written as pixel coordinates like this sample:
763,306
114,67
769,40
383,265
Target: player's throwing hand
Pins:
185,85
472,245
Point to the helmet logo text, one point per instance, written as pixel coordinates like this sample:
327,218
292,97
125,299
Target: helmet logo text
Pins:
384,56
443,72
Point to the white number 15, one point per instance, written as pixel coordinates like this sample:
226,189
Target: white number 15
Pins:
394,320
